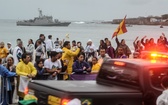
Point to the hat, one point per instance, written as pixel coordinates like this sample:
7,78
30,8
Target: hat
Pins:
9,43
58,50
89,40
9,56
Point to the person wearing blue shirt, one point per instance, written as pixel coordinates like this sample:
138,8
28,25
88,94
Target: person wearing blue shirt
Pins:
80,66
4,72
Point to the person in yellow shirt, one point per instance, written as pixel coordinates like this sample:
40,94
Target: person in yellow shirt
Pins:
68,56
95,65
24,68
3,52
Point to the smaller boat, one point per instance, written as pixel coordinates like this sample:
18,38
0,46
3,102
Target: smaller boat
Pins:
129,25
161,26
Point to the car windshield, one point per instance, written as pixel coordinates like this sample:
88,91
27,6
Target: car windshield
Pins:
120,74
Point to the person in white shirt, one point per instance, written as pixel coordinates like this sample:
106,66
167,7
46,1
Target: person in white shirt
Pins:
163,98
30,48
90,46
53,65
90,50
10,49
103,56
17,53
39,51
56,43
49,45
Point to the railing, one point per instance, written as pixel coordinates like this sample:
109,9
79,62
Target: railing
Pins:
3,90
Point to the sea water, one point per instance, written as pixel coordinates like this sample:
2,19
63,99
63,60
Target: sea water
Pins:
79,31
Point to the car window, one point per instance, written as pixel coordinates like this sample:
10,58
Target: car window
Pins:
156,76
119,74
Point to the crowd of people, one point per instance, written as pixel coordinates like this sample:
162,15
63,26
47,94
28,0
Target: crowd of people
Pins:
150,45
47,59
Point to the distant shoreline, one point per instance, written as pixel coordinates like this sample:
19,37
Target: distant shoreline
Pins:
150,20
130,21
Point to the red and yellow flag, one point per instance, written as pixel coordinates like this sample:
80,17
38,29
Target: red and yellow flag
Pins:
121,28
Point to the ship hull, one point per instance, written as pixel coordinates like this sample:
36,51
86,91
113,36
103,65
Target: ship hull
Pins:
42,24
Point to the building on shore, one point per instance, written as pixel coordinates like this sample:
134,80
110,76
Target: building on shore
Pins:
150,20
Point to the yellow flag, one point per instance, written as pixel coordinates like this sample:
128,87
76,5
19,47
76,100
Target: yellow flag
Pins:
121,28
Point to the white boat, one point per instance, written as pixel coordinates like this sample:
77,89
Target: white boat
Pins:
161,26
129,25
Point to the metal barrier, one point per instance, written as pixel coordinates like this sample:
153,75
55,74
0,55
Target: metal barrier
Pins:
4,92
2,96
1,90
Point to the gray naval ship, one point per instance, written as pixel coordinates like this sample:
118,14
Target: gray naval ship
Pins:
42,20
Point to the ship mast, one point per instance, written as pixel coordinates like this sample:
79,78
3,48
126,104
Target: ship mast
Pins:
40,13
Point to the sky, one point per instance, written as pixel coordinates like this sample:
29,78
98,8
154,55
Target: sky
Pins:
82,10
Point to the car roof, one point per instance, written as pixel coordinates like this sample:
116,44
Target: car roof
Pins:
140,62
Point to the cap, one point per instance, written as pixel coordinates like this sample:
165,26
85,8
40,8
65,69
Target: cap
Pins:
89,40
9,43
9,56
58,50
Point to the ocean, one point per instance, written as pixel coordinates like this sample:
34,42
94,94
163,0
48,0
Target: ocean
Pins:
79,31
